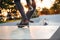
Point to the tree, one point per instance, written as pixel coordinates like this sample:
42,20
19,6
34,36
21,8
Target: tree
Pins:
6,3
56,5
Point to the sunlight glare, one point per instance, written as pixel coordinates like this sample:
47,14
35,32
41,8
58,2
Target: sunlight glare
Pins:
40,4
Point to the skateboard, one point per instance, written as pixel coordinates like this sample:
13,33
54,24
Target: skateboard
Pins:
21,26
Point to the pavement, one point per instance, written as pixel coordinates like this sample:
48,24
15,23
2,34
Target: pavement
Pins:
33,32
36,30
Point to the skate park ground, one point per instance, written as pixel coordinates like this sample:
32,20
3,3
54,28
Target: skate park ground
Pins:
36,30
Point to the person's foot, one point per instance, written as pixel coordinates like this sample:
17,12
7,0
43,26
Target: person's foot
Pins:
25,22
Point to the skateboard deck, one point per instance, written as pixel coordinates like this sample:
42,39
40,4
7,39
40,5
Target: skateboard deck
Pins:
21,26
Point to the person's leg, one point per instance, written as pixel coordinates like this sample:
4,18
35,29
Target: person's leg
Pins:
19,6
21,9
30,12
31,8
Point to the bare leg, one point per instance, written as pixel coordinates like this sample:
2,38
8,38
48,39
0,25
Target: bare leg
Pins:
21,9
29,13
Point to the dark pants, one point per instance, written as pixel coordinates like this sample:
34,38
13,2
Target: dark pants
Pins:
21,10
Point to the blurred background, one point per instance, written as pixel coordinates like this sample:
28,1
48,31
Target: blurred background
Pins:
9,12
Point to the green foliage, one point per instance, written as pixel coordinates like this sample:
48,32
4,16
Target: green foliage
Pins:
6,3
56,5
